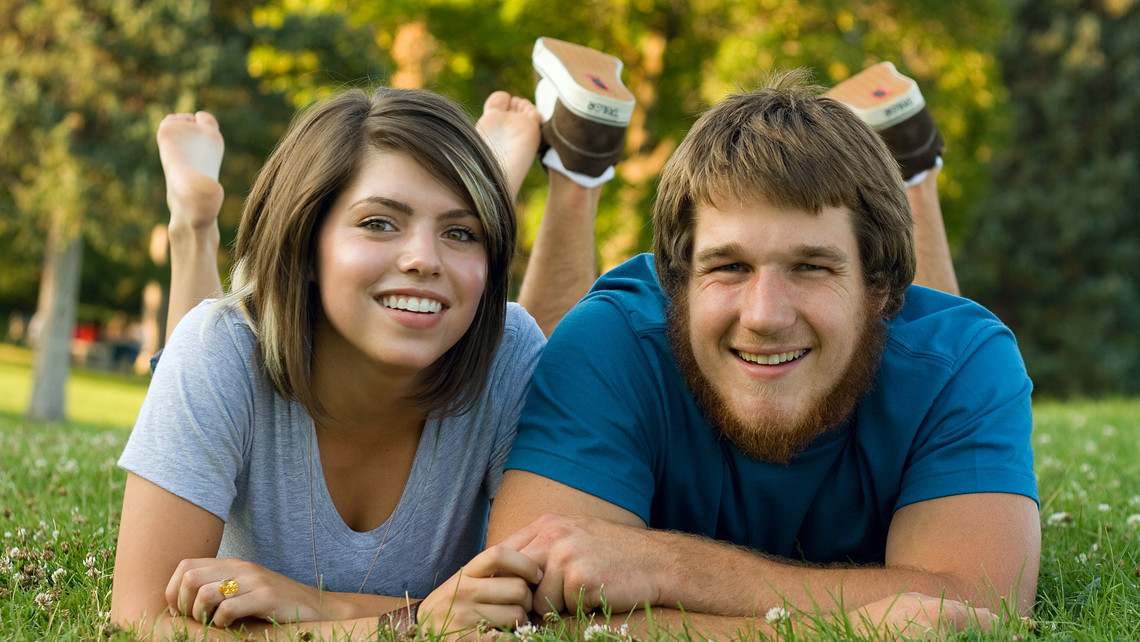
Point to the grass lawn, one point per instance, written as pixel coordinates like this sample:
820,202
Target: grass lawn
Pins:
60,494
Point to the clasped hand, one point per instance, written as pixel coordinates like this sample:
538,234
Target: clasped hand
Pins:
194,591
588,560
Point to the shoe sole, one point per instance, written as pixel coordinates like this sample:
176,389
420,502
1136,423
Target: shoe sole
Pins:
880,95
588,81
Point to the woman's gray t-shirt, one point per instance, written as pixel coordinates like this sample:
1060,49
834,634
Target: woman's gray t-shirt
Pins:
213,431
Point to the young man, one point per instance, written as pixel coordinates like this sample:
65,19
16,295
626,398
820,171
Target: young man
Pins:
764,413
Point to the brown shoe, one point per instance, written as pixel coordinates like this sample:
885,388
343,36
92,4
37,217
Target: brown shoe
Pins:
583,103
892,105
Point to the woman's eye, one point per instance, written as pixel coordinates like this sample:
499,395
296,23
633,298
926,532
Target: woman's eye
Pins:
379,225
460,234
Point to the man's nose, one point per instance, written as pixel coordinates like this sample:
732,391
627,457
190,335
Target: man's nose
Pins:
767,307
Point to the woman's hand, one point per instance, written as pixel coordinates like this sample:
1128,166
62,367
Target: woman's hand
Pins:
493,590
195,591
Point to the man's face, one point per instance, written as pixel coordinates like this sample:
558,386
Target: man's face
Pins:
776,335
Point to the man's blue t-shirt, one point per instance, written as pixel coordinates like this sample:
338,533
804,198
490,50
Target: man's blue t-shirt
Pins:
609,414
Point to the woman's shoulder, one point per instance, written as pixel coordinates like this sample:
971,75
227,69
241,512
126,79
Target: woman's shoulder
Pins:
214,335
518,351
521,328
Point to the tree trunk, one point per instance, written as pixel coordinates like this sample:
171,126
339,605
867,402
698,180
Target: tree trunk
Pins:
59,297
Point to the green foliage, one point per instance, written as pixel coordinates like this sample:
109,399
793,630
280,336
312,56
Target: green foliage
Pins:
680,57
1054,251
85,85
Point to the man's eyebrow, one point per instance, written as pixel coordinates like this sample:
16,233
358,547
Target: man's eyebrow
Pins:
404,208
718,252
826,252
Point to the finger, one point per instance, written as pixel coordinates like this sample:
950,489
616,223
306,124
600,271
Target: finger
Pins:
500,616
206,600
500,590
178,600
500,560
194,577
522,537
549,595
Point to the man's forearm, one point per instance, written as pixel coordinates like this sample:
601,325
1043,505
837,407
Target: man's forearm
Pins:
715,578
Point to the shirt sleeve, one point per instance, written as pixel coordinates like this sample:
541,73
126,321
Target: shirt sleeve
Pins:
976,436
514,365
193,427
592,401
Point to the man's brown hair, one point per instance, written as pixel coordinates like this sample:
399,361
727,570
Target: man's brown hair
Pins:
791,147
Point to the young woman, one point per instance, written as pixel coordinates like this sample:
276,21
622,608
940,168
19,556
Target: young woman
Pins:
320,446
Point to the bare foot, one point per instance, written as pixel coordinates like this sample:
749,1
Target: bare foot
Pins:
510,125
191,147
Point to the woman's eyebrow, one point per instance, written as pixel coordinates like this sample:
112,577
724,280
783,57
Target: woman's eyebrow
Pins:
404,208
399,206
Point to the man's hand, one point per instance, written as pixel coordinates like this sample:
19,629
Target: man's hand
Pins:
917,616
586,560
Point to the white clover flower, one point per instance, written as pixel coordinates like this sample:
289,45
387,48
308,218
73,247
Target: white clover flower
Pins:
1104,508
526,632
5,565
1044,438
1108,430
1133,520
44,600
1059,518
776,615
58,575
595,632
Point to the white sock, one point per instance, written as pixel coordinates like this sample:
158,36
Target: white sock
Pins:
552,160
921,176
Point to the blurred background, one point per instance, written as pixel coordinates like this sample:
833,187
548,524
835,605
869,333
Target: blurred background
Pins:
1037,101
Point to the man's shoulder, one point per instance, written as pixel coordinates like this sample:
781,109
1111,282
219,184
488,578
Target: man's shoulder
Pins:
942,348
939,326
632,290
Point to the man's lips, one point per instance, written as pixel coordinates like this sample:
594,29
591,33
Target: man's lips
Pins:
770,359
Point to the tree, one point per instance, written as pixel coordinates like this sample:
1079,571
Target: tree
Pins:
681,56
85,84
1054,250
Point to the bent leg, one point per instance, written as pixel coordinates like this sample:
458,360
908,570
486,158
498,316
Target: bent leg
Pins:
190,147
932,250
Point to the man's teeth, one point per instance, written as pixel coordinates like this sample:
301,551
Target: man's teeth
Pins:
771,359
411,304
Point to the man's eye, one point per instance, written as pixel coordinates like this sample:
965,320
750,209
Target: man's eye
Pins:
809,267
729,267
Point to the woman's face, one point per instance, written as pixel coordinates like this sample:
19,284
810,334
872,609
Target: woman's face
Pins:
401,268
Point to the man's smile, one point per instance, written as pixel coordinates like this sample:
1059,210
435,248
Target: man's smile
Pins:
770,359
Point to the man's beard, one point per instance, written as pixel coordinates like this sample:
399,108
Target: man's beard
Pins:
777,439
